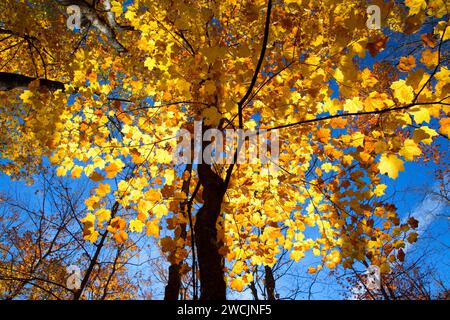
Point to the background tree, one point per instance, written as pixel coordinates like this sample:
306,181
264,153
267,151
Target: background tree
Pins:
42,237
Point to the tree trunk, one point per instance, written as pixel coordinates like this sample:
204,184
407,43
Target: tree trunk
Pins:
270,283
252,287
172,289
9,81
212,282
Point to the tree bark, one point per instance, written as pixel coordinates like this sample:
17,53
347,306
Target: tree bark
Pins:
172,289
252,287
212,282
270,283
9,81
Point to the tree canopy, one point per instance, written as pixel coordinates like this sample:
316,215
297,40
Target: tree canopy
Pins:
350,105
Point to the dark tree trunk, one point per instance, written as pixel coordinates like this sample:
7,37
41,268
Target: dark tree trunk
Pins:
172,289
212,282
9,81
252,287
270,283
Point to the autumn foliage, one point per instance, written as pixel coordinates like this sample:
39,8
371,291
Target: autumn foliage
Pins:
352,106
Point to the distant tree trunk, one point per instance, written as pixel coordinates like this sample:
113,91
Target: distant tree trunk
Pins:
212,282
270,283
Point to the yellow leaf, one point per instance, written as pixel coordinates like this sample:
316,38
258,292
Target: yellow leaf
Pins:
61,171
420,114
121,236
407,63
92,202
116,7
89,233
445,126
26,95
368,80
76,171
152,229
150,63
379,189
410,150
103,214
353,105
211,116
114,168
402,92
296,255
237,284
103,189
136,225
415,6
160,210
390,164
238,267
430,58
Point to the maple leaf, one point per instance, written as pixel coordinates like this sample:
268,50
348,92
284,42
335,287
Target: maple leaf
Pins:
424,134
26,95
136,225
377,45
415,6
114,168
390,164
211,116
379,189
121,236
445,126
430,58
76,172
421,114
296,255
103,214
160,210
402,92
237,284
407,63
152,229
96,177
354,105
103,189
409,150
312,270
412,237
